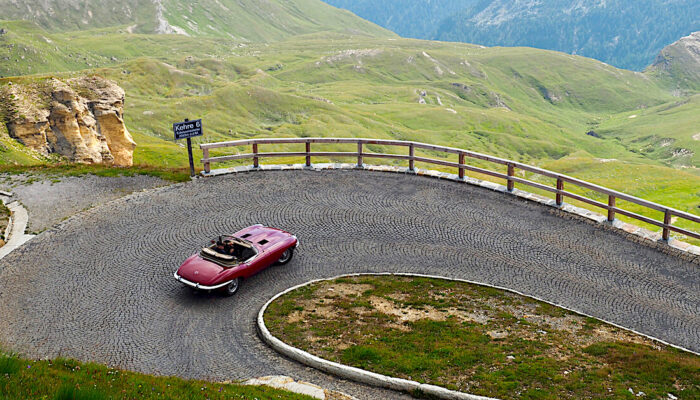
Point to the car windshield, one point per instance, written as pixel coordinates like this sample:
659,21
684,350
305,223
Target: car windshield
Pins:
228,250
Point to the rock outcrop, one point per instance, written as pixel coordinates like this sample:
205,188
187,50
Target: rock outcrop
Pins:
680,62
81,119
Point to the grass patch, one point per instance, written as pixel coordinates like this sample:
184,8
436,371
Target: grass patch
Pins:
63,379
479,340
9,365
4,220
69,169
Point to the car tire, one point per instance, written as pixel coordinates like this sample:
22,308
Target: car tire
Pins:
232,287
285,257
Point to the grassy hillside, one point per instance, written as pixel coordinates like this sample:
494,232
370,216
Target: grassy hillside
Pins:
244,20
76,14
669,132
255,21
25,48
491,99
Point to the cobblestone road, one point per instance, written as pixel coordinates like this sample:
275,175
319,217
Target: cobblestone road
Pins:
50,199
99,286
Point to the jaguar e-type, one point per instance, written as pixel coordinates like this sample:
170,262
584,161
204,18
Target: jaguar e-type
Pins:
226,260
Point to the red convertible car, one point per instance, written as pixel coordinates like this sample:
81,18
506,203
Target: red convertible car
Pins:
230,258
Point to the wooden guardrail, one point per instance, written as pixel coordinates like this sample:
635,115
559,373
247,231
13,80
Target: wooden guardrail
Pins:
510,178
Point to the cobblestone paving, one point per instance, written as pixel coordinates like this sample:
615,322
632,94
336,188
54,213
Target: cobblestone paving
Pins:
99,286
53,199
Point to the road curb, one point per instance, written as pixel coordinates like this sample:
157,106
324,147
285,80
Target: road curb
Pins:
16,226
352,373
384,381
643,236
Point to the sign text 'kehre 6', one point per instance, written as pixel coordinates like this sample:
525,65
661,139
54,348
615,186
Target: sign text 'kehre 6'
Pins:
187,129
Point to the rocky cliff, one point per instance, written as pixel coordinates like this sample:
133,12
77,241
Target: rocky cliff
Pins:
81,119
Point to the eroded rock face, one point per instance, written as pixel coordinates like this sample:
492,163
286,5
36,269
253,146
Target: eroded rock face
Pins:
81,119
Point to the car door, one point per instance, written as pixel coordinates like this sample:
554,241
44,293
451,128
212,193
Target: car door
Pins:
268,254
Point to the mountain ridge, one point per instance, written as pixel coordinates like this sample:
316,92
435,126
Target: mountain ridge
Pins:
245,20
679,63
626,34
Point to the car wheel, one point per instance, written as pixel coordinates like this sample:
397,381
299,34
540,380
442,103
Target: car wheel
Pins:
232,287
286,256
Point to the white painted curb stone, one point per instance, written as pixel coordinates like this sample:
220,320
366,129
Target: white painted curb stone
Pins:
16,227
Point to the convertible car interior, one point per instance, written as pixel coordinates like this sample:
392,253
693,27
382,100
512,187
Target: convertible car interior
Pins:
228,251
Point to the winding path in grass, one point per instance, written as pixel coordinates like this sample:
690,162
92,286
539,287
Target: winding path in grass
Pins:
99,286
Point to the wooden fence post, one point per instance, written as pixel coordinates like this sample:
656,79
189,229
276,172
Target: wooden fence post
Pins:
511,172
207,165
666,235
411,163
611,212
308,156
461,162
560,187
360,160
256,163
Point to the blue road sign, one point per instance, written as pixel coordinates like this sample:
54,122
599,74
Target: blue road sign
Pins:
187,129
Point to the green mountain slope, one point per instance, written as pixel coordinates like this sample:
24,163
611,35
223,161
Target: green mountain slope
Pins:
668,132
245,20
518,102
77,14
25,48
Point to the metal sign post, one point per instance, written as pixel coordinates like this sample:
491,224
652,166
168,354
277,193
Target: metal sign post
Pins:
187,130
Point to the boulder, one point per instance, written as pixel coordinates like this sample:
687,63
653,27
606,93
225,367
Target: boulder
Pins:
81,119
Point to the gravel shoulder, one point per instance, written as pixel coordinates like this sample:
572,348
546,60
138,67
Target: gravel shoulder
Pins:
49,199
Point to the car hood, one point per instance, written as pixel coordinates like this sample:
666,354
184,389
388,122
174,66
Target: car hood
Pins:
198,270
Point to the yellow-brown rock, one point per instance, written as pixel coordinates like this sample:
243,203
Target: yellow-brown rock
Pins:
81,119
